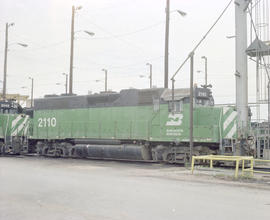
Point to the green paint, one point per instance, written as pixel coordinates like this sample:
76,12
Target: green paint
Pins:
135,123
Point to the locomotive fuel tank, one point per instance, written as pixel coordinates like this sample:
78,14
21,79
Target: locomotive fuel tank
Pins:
122,152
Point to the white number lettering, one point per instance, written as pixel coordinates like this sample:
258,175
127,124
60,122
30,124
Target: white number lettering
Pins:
49,122
53,122
46,122
40,122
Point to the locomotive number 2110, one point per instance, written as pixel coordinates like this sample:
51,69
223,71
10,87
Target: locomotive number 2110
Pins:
46,122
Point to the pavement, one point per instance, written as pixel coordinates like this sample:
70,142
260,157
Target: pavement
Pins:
44,188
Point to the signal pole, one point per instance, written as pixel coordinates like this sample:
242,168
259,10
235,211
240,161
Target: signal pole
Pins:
166,56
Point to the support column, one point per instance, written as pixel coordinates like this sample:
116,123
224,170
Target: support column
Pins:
241,65
258,88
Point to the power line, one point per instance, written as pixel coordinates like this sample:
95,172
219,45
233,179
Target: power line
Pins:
140,49
130,33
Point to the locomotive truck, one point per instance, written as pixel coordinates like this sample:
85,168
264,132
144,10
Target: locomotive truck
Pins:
134,124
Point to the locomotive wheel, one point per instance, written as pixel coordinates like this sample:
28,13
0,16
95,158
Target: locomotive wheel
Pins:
44,151
2,148
170,158
66,149
39,148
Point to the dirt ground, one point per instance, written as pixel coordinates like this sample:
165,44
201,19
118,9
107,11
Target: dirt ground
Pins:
42,188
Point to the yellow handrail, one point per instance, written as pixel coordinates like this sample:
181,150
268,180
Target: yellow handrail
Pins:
236,159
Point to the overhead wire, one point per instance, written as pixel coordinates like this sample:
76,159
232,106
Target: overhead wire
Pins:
203,38
132,32
114,36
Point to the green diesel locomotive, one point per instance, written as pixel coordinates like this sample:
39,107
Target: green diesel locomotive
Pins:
14,127
132,124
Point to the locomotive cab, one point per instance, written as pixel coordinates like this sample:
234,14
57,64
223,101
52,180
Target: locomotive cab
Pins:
10,107
13,127
202,97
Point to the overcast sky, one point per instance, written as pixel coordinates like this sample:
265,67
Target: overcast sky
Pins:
128,34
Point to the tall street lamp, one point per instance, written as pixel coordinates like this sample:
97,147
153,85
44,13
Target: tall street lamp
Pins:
32,89
8,25
66,75
150,74
166,56
74,9
72,48
205,69
106,75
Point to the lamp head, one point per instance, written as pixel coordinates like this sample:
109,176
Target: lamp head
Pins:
89,33
78,8
23,45
182,13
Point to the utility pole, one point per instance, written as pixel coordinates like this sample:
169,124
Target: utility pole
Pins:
167,31
268,101
150,74
32,90
106,78
191,105
5,62
166,57
66,84
5,59
71,52
205,69
74,9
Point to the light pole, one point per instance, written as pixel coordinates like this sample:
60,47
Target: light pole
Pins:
167,26
5,59
66,75
32,89
74,9
106,75
72,48
205,69
150,74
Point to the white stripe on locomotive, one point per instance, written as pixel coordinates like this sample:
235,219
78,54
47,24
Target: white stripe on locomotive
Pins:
15,121
225,110
232,132
20,127
229,120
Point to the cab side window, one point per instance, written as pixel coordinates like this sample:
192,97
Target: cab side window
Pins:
156,105
176,106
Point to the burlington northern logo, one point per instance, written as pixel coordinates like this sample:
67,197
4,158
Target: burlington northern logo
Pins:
174,119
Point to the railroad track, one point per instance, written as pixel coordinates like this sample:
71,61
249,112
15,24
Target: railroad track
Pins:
146,162
257,168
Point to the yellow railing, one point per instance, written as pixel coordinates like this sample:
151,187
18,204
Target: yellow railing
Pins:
236,159
261,161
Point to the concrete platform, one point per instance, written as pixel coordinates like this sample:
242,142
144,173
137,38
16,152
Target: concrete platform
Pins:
38,188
